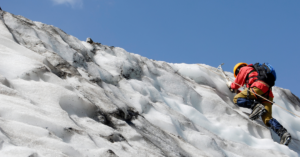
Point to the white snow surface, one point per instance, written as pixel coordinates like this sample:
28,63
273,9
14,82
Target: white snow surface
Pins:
62,97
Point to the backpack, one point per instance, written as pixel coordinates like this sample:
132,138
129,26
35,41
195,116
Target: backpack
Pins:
266,73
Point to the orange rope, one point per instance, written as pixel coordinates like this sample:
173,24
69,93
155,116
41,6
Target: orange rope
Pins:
254,92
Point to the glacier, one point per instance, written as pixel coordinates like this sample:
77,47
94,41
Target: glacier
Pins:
62,97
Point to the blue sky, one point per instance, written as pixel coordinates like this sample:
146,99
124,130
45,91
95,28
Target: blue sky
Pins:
194,31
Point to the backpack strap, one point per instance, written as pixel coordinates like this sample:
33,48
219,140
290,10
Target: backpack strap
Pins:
247,77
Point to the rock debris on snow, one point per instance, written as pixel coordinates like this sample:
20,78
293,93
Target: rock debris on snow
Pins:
89,40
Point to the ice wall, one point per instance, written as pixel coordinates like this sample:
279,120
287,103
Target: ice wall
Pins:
63,97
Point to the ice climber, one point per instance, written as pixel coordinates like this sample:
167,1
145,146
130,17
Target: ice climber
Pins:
259,79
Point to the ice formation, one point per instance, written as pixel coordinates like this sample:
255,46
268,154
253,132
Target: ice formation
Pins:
63,97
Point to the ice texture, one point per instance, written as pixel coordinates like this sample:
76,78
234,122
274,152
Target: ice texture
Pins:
63,97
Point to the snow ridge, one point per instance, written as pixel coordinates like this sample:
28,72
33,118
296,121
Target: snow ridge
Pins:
60,96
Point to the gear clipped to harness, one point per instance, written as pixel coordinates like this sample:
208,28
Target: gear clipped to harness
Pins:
266,73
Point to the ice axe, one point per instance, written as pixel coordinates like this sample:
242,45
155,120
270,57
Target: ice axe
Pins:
222,71
226,77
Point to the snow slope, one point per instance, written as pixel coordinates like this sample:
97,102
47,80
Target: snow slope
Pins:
63,97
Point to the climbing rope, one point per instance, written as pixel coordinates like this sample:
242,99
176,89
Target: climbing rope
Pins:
251,91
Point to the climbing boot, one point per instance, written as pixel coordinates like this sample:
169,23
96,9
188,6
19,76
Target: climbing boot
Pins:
257,110
285,137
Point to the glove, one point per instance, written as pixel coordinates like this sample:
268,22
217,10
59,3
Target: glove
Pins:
228,83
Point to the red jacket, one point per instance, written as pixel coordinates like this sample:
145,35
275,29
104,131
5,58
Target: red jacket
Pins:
241,80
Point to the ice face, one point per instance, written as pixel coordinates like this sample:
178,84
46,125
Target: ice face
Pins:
63,97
